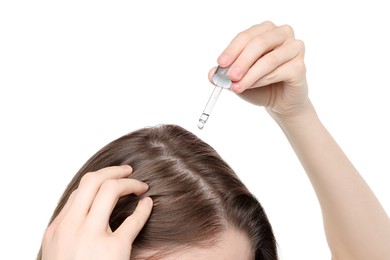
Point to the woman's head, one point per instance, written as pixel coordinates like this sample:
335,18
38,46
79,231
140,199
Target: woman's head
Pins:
199,202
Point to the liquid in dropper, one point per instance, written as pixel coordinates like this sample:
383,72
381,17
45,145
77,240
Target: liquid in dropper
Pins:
221,81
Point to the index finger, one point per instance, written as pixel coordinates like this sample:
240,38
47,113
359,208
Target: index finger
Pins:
236,46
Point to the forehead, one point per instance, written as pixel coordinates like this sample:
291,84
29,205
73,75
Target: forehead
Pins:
231,246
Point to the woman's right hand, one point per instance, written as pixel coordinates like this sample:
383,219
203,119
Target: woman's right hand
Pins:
81,230
267,68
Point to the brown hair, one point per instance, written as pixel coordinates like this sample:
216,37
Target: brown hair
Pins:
196,194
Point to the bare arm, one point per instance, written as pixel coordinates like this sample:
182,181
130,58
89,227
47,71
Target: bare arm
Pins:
356,225
267,69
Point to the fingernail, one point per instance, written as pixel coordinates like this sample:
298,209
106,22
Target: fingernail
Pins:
223,60
126,167
147,201
235,73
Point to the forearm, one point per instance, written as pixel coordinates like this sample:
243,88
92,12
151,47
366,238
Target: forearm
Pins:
356,225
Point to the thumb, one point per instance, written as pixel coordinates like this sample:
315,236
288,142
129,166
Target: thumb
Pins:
133,224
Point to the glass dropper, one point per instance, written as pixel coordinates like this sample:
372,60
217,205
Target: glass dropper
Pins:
220,81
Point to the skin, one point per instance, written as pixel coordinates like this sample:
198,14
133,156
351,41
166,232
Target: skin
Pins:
267,69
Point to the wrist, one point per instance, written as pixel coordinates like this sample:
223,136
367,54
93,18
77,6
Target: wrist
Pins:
302,117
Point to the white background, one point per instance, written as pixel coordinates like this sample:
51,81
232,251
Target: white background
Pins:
75,75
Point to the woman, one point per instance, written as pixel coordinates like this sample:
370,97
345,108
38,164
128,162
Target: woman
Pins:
267,69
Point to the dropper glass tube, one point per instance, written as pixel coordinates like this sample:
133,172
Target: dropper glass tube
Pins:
209,106
221,81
